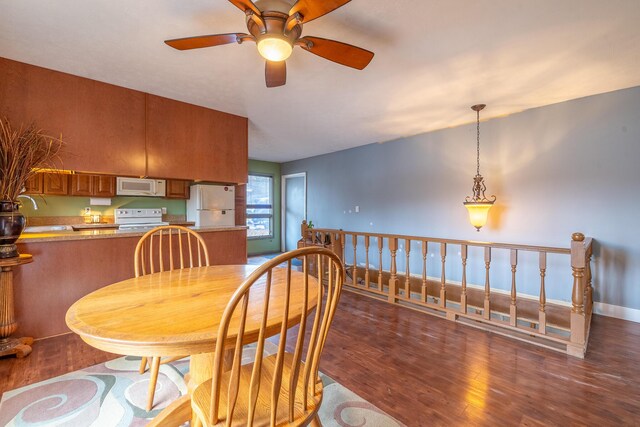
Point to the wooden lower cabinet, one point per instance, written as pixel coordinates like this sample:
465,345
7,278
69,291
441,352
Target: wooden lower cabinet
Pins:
64,271
177,189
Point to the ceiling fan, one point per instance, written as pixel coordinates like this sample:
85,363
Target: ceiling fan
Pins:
276,27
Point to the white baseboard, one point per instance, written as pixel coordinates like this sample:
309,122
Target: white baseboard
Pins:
617,311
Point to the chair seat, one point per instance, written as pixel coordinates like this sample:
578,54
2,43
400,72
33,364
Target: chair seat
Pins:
201,397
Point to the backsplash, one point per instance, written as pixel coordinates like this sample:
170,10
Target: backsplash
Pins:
73,207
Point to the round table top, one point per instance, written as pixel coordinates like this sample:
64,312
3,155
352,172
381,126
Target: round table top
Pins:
178,312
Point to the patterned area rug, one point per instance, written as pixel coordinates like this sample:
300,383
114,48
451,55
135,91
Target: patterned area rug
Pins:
114,394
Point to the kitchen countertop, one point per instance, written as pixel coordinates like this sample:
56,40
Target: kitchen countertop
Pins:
54,236
92,226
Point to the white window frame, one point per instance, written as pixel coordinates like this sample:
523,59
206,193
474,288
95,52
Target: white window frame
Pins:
270,216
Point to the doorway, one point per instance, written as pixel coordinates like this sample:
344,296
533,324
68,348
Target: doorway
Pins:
294,208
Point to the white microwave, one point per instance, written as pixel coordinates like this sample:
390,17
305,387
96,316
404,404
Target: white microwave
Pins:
141,187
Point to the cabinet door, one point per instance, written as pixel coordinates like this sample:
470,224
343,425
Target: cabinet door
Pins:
185,141
56,184
104,186
177,189
34,185
103,126
81,185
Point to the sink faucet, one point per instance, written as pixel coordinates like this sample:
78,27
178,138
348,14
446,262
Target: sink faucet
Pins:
35,205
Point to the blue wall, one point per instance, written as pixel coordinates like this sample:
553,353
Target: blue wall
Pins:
573,166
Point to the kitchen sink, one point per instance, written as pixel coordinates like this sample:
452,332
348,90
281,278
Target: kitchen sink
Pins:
47,228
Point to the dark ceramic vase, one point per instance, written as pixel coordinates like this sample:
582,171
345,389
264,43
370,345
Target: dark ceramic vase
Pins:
12,223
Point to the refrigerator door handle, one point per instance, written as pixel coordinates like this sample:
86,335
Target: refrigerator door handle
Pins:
199,198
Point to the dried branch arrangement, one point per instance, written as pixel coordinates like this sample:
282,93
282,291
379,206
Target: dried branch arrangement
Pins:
22,152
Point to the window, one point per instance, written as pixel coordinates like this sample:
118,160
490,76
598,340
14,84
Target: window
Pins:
260,206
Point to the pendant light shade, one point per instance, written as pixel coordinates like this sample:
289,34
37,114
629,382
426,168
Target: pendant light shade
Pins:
478,205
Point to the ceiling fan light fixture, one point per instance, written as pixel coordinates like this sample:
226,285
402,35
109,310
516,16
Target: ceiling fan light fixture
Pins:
274,49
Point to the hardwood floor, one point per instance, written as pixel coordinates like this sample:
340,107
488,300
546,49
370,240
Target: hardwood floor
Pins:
425,370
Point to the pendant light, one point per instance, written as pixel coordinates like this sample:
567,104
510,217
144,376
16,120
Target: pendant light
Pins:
477,204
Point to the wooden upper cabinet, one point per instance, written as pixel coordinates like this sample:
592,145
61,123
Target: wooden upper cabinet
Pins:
53,184
104,186
34,185
56,184
177,189
81,185
103,126
93,185
185,141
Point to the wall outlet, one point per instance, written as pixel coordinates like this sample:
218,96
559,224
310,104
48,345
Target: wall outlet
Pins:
87,211
357,209
164,211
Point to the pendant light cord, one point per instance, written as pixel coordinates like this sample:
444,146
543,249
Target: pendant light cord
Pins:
478,142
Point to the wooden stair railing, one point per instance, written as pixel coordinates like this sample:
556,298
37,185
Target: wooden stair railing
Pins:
561,326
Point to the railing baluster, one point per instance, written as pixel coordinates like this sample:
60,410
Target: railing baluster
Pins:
542,314
443,279
588,288
366,261
335,243
407,277
513,309
463,290
393,279
425,251
380,246
354,267
487,287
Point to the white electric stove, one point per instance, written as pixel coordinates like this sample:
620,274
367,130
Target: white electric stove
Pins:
139,219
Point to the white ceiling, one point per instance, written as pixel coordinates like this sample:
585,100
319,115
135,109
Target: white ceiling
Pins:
434,58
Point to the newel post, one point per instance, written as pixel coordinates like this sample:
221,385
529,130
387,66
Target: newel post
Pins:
304,231
578,321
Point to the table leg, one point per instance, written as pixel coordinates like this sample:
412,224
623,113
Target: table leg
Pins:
21,347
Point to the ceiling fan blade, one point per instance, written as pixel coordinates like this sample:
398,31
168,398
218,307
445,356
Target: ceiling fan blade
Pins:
275,73
204,41
342,53
312,9
243,5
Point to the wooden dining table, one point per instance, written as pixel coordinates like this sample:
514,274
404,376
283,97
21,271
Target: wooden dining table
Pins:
178,312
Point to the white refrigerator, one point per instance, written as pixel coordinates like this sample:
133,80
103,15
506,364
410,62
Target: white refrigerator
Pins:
212,205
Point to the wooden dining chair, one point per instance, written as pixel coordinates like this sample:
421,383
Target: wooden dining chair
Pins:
282,389
165,248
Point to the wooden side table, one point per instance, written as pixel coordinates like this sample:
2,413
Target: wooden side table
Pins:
21,347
